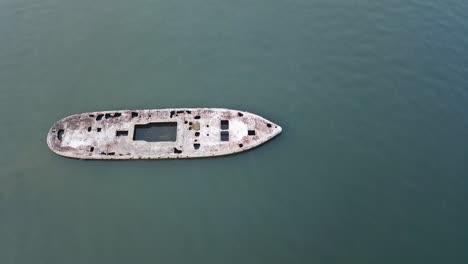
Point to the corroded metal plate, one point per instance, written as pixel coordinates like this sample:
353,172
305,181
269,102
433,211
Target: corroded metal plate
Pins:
199,132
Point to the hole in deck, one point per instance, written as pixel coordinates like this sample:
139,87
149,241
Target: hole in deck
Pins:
197,117
121,133
99,129
177,151
91,149
251,132
99,117
89,129
268,125
196,146
134,114
224,124
197,134
240,114
156,132
60,134
224,135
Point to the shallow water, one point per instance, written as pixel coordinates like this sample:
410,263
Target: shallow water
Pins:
371,166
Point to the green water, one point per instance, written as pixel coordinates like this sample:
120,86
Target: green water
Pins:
371,167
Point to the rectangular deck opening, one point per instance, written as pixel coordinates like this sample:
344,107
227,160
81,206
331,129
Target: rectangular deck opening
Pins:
121,133
224,124
156,132
224,135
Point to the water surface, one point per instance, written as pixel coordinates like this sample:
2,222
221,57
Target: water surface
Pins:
371,166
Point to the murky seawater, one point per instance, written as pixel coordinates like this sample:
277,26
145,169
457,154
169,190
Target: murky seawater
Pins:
371,166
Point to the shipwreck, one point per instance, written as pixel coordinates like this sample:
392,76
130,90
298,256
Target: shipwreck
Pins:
159,133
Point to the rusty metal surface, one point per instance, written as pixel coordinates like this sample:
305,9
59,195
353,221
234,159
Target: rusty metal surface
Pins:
94,135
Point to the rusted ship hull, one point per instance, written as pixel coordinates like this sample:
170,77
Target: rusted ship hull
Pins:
187,133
